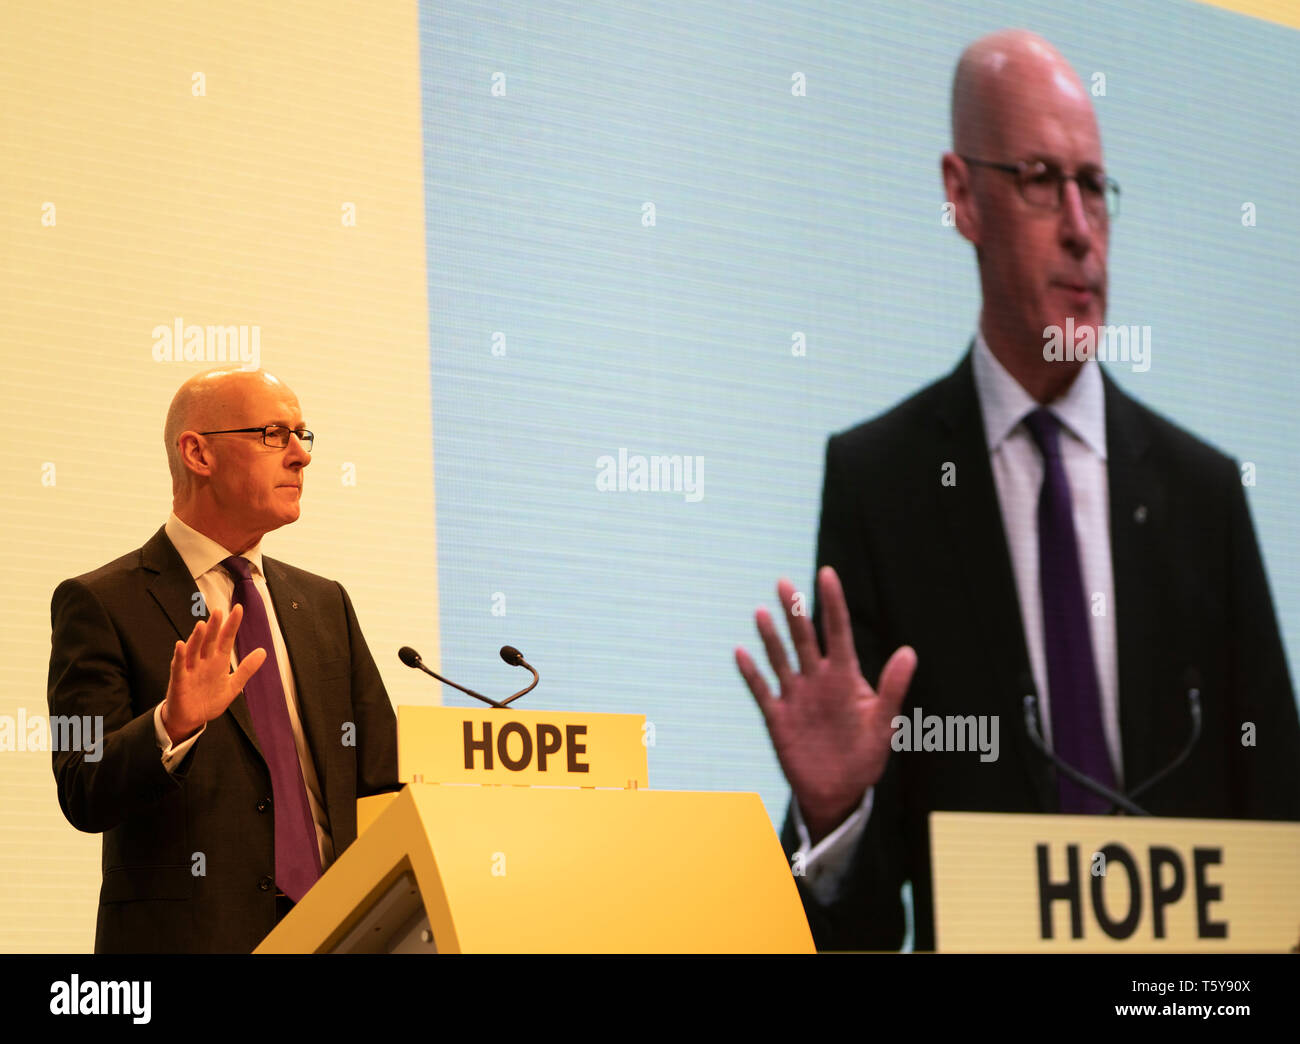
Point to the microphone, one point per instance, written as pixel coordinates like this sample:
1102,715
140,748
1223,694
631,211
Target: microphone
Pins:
515,658
1087,782
1192,679
412,659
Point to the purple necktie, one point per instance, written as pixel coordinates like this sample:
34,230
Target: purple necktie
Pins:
1077,734
297,858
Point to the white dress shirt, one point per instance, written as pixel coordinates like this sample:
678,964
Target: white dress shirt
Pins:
203,557
1017,467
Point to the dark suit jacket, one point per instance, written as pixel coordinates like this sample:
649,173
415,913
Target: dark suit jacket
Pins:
113,634
927,565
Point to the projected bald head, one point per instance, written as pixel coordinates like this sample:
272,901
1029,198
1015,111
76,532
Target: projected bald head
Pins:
232,486
1040,241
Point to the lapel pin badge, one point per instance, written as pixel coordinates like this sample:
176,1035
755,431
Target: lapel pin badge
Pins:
1140,515
294,604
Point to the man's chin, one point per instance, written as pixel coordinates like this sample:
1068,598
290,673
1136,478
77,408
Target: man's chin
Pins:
284,516
290,503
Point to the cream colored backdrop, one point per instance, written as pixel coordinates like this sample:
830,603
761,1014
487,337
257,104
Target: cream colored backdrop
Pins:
165,160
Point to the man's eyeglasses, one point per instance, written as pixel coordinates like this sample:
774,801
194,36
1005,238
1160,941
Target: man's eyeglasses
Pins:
1042,185
274,435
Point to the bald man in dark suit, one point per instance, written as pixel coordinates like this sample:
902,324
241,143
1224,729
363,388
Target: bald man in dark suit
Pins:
222,793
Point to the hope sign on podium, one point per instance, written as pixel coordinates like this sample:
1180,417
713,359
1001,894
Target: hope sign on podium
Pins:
516,747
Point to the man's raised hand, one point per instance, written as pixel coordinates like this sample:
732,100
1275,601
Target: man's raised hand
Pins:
202,685
831,730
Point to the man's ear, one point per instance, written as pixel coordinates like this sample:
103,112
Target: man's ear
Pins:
956,184
196,457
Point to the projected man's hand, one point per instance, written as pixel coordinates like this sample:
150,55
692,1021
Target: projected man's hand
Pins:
831,730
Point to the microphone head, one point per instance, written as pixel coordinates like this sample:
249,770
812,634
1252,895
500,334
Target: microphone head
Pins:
1030,705
1193,679
408,656
512,655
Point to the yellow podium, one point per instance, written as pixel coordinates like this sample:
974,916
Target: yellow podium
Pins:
529,831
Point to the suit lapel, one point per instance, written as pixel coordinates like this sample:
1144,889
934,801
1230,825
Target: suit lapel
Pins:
1138,516
172,586
974,518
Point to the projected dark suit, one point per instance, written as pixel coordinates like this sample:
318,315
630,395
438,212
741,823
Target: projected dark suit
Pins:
927,565
113,633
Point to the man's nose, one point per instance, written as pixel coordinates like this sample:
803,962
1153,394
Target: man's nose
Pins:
1076,231
296,452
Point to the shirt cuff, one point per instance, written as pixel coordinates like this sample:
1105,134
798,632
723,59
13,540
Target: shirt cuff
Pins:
171,754
825,863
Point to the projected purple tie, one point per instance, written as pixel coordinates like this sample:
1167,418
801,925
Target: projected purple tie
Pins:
1075,697
297,859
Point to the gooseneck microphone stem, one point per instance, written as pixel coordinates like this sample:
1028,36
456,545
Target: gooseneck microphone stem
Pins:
521,692
412,659
1087,782
1194,708
1193,678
